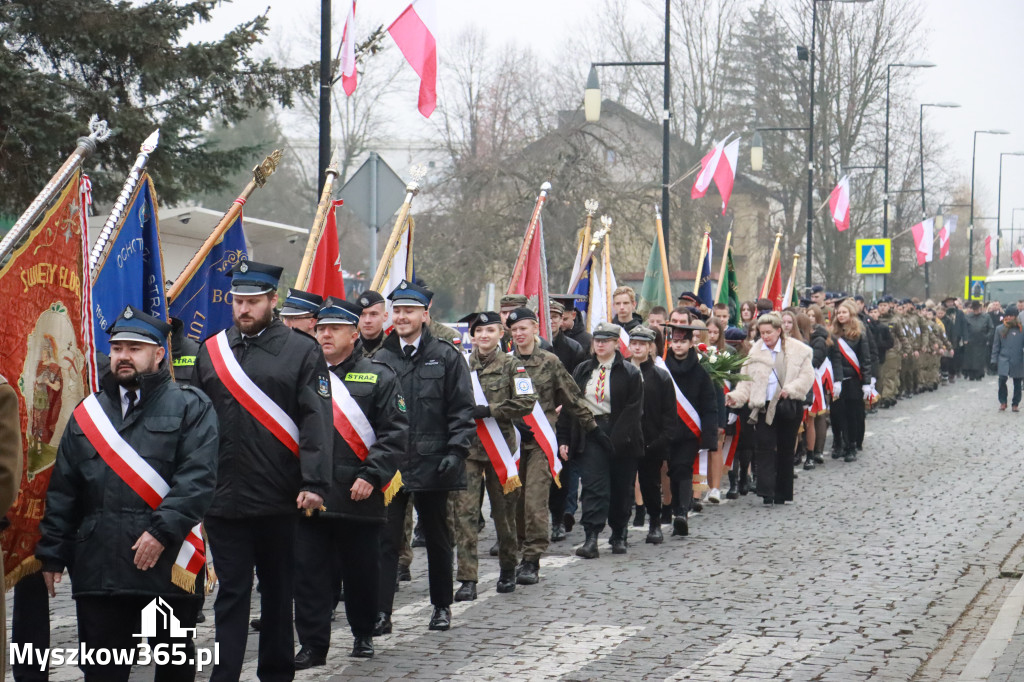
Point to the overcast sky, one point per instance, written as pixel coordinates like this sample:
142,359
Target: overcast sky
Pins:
976,44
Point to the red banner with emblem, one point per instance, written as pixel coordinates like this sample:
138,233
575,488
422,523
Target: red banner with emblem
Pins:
45,355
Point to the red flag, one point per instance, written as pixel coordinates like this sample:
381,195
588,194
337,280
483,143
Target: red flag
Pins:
988,252
414,31
839,204
348,52
775,289
325,277
1018,258
924,240
532,280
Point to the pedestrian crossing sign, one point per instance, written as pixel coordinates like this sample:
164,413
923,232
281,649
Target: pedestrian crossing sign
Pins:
974,289
874,256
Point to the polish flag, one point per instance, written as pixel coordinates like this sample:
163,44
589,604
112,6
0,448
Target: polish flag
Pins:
988,252
1018,258
924,238
414,31
775,289
718,165
325,276
943,242
839,204
348,52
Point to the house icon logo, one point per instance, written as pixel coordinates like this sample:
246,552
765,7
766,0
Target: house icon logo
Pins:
158,616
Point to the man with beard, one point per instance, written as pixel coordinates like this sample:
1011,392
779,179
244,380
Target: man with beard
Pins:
299,310
134,476
271,391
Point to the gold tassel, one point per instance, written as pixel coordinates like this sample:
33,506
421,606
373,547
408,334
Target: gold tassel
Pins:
511,484
392,488
28,566
183,579
557,477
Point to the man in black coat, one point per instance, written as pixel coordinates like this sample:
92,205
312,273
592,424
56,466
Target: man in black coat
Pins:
569,352
614,391
435,381
183,352
660,424
343,541
574,325
270,388
134,476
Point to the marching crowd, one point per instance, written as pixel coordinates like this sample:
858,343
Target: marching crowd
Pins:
297,443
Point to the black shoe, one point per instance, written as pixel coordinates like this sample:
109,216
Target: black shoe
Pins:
507,581
851,456
255,624
201,618
618,542
481,524
860,447
404,575
557,532
779,502
666,515
744,486
818,457
442,618
362,647
383,625
467,592
493,551
418,539
809,464
680,526
732,493
769,500
307,658
568,520
589,548
696,505
640,518
528,573
654,536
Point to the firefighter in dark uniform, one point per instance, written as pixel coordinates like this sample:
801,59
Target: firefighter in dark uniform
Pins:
119,549
371,320
183,352
261,479
299,310
436,384
343,542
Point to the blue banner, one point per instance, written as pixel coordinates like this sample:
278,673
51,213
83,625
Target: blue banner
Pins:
704,292
204,304
583,289
132,272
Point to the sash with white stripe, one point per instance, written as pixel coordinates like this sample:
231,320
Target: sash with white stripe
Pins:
684,408
624,343
818,401
354,428
827,374
138,475
700,465
851,357
731,443
489,433
249,395
545,437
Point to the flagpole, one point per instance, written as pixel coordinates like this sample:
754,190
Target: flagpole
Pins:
86,145
524,249
721,269
787,296
103,242
411,190
595,241
544,308
317,229
660,230
700,260
771,266
607,259
260,174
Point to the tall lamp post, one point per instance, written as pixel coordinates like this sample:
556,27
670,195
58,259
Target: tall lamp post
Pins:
999,203
970,227
592,113
924,210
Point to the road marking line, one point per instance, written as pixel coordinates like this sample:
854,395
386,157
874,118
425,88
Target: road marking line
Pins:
992,647
928,408
972,390
782,654
897,420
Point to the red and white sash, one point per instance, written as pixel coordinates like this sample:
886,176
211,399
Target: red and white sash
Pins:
352,425
700,464
138,475
545,437
624,343
489,433
851,357
684,408
827,374
818,391
249,395
731,442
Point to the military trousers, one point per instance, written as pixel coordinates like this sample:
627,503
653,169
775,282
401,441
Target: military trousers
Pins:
533,522
908,374
890,375
480,476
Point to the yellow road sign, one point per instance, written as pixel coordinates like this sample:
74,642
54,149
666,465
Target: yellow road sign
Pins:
978,286
874,256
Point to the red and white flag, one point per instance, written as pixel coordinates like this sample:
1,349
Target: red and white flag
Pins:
718,165
348,52
988,252
415,32
943,242
924,240
325,276
532,283
839,204
1018,258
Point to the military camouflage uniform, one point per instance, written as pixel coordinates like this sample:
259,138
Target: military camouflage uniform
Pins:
509,397
908,371
890,379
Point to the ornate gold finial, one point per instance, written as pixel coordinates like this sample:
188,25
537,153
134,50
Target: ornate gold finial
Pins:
591,206
263,171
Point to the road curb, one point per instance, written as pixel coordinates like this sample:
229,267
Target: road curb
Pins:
998,638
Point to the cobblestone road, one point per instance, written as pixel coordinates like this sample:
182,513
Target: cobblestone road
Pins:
860,578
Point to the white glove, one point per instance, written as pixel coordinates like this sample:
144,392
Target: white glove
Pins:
873,383
837,390
733,417
866,390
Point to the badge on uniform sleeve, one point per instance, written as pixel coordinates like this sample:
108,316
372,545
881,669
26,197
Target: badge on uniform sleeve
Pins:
524,386
400,403
324,387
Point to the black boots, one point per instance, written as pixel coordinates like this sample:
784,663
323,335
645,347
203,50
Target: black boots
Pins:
850,453
528,572
467,592
618,541
680,525
308,658
383,624
589,548
838,446
507,581
640,517
557,532
744,486
732,494
441,618
654,536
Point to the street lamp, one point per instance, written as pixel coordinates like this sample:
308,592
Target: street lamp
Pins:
999,202
970,227
924,211
592,113
757,152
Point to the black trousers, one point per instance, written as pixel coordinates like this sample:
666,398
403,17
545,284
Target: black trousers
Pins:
432,511
30,624
848,415
680,474
774,446
648,472
327,552
110,622
1017,383
607,495
266,543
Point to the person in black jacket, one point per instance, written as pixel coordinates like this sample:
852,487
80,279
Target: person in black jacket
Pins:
273,460
697,388
573,323
568,351
120,547
614,391
660,424
183,352
822,348
851,340
435,382
343,541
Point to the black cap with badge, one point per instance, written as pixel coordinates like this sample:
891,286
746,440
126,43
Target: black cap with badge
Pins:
335,311
520,314
249,278
480,319
370,297
410,294
301,303
134,325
